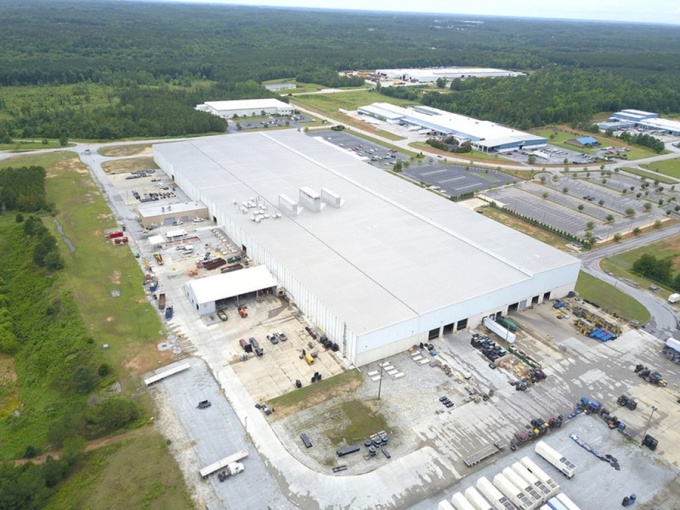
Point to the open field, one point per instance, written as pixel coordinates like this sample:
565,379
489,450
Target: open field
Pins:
30,145
668,166
650,175
137,473
611,298
9,391
117,151
563,133
124,166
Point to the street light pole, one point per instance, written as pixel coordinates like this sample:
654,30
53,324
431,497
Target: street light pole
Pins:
648,422
380,383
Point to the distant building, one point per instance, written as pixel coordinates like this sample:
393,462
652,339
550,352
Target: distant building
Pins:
246,108
431,75
585,141
484,136
277,87
644,121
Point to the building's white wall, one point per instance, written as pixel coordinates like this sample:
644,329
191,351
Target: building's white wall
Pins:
203,308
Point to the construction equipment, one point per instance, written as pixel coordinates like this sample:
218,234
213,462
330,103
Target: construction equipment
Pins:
242,312
648,375
159,258
169,312
222,315
627,402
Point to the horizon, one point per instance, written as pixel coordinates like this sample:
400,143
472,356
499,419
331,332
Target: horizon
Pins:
661,12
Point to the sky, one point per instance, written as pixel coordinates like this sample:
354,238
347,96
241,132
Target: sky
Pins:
645,11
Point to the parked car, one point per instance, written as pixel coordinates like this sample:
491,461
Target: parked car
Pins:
272,338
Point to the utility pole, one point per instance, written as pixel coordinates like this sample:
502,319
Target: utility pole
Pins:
380,383
648,422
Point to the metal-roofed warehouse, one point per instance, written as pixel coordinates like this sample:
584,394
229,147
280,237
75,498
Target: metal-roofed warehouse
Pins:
375,262
483,135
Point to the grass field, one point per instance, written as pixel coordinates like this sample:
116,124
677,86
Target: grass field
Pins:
648,175
30,145
117,151
121,166
560,138
621,263
139,473
667,166
356,420
611,298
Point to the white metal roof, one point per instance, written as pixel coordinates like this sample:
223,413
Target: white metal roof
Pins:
175,233
424,73
490,133
155,210
156,239
393,251
247,104
236,283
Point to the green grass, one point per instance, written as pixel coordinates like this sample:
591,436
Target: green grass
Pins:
648,175
667,166
356,421
560,138
611,298
29,145
346,100
139,473
317,392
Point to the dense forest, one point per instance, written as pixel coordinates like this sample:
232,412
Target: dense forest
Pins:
153,56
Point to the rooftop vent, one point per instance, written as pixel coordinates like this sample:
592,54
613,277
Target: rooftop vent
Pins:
310,199
331,198
288,205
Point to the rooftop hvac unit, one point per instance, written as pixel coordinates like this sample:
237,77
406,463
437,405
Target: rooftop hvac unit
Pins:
310,199
288,205
331,198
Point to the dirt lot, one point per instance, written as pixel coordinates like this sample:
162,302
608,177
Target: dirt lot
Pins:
117,151
122,166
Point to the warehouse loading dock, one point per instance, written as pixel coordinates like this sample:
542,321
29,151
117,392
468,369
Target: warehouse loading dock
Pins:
214,292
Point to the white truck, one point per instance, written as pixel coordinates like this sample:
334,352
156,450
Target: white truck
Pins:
672,350
555,458
228,465
674,298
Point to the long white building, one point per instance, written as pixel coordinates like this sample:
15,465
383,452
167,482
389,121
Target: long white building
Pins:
376,263
246,108
432,74
484,136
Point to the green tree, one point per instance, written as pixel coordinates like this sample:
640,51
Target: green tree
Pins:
630,212
84,380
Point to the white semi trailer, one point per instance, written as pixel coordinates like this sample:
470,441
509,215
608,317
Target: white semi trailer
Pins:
477,499
495,497
555,458
514,494
518,481
535,470
533,480
460,502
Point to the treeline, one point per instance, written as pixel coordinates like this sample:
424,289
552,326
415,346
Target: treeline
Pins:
139,112
329,78
644,140
23,189
555,95
659,270
45,250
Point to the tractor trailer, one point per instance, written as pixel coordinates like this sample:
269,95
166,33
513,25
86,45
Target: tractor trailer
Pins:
555,458
498,500
460,502
477,499
514,494
533,481
672,350
522,484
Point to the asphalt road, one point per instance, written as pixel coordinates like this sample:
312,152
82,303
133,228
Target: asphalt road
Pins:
664,319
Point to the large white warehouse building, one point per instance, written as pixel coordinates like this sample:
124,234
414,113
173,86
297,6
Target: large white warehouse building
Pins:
376,263
246,108
432,74
484,136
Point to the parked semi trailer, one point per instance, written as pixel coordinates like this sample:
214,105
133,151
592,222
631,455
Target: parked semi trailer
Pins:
460,502
514,494
495,497
445,505
555,458
532,480
536,497
535,470
477,499
567,502
672,350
